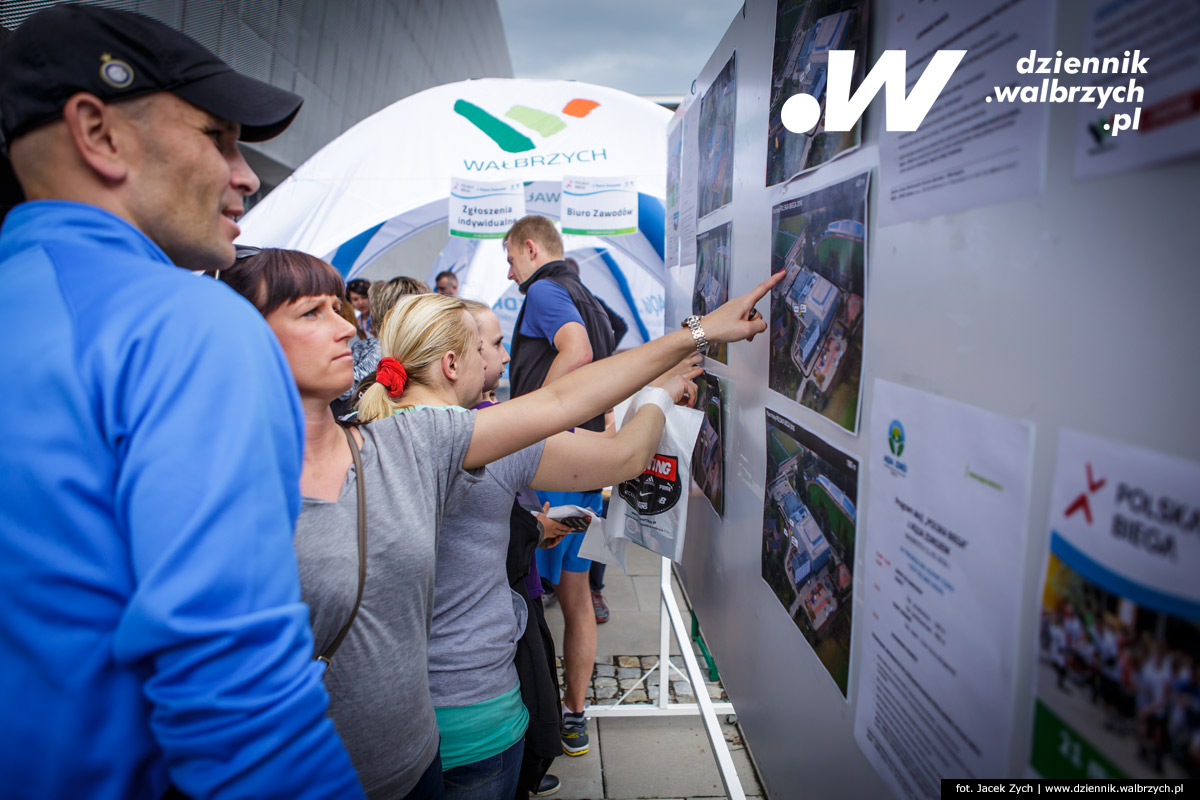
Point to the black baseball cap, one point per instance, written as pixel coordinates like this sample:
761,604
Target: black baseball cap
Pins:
118,55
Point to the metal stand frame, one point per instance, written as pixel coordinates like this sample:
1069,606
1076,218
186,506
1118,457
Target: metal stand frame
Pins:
670,616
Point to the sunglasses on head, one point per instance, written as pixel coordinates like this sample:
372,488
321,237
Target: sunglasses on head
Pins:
240,251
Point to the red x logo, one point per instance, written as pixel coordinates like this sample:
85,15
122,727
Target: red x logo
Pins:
1082,501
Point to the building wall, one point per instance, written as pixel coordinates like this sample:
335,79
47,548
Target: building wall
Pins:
346,58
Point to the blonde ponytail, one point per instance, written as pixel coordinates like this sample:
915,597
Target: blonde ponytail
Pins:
375,404
417,332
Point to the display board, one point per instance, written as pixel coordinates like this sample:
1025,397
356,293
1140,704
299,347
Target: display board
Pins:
973,347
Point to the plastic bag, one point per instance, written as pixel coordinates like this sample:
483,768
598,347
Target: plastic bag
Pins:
651,509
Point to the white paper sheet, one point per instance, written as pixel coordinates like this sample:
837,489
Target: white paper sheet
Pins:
944,551
967,153
674,162
689,168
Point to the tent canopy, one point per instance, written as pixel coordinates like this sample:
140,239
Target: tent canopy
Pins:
389,177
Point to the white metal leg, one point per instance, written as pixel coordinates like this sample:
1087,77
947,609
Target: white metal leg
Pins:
671,617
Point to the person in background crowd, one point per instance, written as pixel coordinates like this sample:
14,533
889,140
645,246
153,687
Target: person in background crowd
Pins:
596,571
347,312
358,293
1154,683
365,349
383,295
416,467
447,283
151,614
560,328
534,658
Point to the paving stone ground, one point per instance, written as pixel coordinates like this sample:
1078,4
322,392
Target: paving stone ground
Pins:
610,680
645,757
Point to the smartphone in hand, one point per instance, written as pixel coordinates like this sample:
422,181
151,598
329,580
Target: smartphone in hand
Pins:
577,524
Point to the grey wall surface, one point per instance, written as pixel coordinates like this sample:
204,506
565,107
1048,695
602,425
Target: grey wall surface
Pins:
1050,309
346,59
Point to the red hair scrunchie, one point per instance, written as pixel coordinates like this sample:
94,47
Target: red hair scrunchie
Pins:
391,374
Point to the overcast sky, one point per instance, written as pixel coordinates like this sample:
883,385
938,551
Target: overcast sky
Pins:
646,47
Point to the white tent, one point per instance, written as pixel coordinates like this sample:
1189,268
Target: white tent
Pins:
389,177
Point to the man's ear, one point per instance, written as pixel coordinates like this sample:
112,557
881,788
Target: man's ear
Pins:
92,123
531,247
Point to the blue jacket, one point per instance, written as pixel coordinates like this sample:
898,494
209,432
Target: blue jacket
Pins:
149,483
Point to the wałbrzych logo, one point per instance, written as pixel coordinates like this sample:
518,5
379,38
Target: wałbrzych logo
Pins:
535,120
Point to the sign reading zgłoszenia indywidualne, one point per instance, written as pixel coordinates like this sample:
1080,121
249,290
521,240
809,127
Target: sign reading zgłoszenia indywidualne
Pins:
485,209
599,206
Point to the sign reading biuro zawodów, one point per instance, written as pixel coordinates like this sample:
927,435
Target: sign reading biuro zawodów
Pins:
599,206
485,209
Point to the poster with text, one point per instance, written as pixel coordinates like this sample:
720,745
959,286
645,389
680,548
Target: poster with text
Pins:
941,589
1163,42
689,168
970,151
485,209
1117,694
820,241
674,162
708,459
805,32
713,255
809,534
718,112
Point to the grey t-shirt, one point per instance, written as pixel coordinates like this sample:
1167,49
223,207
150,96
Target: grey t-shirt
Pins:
379,695
477,619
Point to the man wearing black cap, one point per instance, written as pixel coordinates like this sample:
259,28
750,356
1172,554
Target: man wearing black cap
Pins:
150,603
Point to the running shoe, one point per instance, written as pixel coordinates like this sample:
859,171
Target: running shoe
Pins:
574,733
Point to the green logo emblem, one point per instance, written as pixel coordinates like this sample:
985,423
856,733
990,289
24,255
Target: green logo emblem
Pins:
896,438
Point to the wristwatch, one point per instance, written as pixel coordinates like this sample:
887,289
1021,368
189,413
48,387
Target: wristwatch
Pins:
693,323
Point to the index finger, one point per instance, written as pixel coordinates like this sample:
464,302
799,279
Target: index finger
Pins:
760,291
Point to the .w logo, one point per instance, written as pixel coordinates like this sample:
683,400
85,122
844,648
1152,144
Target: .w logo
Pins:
802,112
509,138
